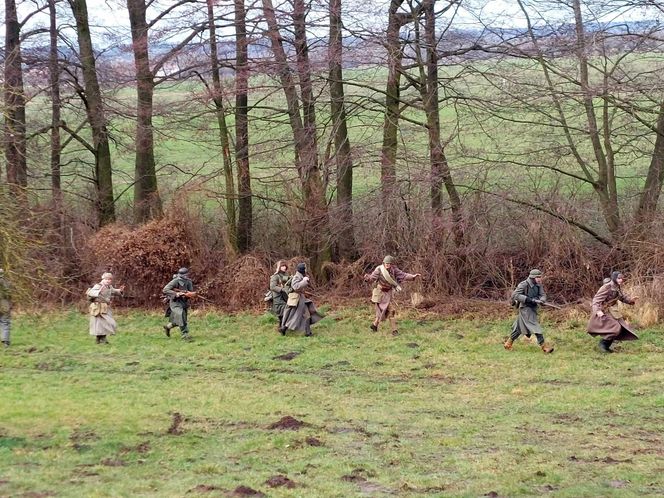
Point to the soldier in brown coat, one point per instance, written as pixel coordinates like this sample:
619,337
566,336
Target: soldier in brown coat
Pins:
606,320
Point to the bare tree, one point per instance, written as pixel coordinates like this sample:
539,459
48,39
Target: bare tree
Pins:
94,109
245,199
304,131
217,98
344,160
14,95
54,86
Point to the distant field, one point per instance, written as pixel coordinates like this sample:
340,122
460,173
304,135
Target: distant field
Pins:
440,410
479,146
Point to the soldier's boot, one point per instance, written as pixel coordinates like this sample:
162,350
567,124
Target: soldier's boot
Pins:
98,338
508,344
5,344
547,348
374,327
605,346
282,330
186,337
167,329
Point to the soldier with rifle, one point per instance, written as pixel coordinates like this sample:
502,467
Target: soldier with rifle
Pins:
527,296
178,291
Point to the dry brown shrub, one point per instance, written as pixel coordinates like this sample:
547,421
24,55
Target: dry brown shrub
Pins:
345,279
145,258
240,287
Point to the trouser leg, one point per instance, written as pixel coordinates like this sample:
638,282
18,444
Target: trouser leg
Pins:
516,330
184,328
5,325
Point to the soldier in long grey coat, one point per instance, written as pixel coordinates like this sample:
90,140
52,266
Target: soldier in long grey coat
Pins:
388,279
606,321
5,309
300,313
102,323
527,296
279,287
179,290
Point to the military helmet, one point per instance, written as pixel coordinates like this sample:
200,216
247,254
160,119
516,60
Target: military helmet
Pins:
535,273
183,271
388,259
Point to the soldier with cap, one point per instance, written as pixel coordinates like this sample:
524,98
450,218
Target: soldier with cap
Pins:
278,293
527,296
102,323
300,312
178,291
388,279
5,309
606,320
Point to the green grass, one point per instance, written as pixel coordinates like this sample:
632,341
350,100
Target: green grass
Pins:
440,410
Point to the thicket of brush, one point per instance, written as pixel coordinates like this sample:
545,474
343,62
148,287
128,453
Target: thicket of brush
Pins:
49,264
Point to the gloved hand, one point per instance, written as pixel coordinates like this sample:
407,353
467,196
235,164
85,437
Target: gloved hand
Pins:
530,301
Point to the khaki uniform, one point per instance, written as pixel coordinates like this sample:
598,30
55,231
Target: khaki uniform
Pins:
102,322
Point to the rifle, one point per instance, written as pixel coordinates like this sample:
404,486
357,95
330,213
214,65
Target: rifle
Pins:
550,305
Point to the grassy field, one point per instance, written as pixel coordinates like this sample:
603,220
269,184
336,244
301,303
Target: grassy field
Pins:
440,410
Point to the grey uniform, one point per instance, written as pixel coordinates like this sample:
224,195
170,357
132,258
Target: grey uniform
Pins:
179,305
5,310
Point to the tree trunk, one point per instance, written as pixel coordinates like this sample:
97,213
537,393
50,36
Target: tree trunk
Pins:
54,81
653,187
605,184
245,217
217,97
344,160
440,171
147,204
306,153
388,172
95,112
15,141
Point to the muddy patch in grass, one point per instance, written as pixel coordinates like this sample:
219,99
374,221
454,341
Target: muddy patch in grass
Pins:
280,481
287,356
113,462
204,488
348,430
359,478
312,441
246,491
176,422
288,423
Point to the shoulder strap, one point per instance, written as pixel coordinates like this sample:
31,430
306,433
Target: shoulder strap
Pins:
388,278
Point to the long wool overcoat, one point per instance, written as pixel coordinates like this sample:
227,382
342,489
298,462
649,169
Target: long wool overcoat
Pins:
279,295
527,320
302,316
101,316
611,326
178,305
